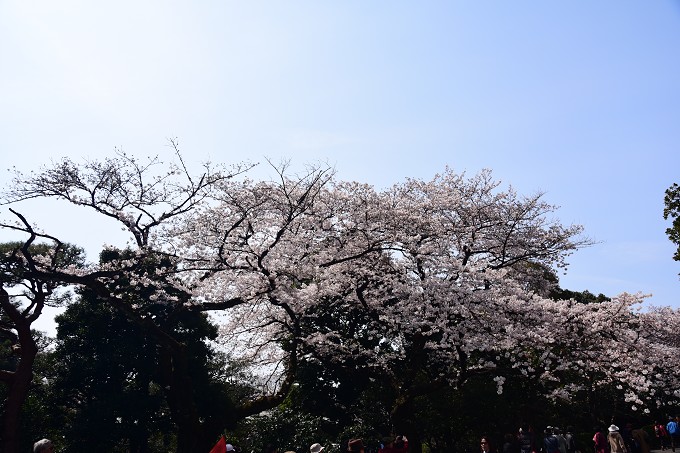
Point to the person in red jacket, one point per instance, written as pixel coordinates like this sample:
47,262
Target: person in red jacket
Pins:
400,445
661,435
600,441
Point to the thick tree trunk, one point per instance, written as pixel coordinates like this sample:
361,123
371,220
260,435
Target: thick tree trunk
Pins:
16,396
180,397
18,381
402,419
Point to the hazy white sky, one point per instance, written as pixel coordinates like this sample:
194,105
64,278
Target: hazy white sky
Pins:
580,100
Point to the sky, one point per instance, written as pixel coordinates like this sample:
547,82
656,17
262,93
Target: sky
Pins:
579,100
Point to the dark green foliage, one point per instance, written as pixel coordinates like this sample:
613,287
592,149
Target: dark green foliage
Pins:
13,267
672,211
584,297
331,404
107,379
105,382
287,428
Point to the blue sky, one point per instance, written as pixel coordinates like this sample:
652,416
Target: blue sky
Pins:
580,100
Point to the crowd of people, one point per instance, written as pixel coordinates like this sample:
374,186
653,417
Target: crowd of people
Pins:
526,440
668,435
637,440
398,444
628,439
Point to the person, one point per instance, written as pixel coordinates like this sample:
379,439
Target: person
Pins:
485,445
641,439
316,448
387,445
510,444
600,441
627,434
571,440
525,440
616,442
561,440
661,435
550,442
400,445
230,447
673,432
43,446
356,445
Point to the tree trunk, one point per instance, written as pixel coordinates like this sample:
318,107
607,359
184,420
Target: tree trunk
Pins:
174,372
404,425
415,442
19,381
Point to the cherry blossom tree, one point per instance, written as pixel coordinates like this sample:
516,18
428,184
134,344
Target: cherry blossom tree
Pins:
422,285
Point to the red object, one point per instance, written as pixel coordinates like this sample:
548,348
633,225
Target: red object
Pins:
220,446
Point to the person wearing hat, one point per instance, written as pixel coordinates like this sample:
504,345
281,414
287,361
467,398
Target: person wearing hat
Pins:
355,445
615,439
316,448
550,442
43,446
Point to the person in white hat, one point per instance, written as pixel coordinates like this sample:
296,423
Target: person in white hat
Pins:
615,439
316,448
230,447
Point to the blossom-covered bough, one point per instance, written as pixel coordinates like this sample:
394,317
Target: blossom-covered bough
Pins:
450,272
448,276
422,285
